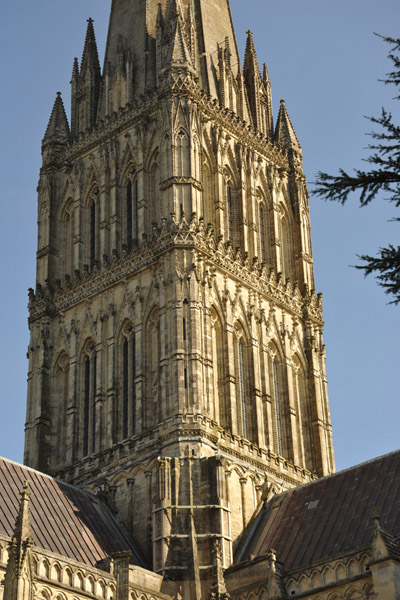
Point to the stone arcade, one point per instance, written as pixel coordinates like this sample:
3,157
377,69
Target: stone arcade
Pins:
176,364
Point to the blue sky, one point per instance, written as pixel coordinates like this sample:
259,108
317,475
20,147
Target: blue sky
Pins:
325,61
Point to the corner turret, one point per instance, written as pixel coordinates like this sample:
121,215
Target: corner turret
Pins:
85,86
258,90
57,134
285,134
18,581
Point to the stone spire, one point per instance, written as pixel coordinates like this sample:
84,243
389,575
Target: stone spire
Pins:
57,131
258,90
284,132
207,23
176,48
90,57
268,101
19,575
85,85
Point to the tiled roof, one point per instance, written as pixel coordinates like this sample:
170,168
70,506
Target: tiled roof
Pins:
330,516
392,543
64,519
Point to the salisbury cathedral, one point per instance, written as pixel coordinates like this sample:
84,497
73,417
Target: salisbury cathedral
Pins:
178,437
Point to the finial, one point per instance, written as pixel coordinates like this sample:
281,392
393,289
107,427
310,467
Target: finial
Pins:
249,32
282,101
376,516
25,488
90,20
58,94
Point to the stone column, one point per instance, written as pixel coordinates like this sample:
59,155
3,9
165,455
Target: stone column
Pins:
121,572
243,482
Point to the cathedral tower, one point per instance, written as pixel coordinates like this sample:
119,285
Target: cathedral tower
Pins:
176,362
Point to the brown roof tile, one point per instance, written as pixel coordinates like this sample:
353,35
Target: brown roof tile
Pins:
64,519
329,516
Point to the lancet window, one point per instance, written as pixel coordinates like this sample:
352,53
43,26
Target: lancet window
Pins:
208,194
181,152
68,231
263,231
88,408
131,210
286,245
94,228
218,372
127,405
244,384
303,403
232,213
154,194
278,395
152,407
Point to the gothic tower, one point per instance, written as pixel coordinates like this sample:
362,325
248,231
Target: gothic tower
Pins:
176,362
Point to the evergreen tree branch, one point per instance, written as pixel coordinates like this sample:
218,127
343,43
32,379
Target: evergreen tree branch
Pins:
386,268
384,176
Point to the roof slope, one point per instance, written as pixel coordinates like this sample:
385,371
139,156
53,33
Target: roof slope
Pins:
64,519
329,516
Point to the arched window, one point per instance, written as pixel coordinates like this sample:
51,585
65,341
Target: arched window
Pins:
152,406
61,386
181,153
286,245
242,389
131,210
233,213
245,405
230,212
88,410
218,372
262,237
208,195
278,396
196,157
94,229
127,421
304,410
68,238
154,194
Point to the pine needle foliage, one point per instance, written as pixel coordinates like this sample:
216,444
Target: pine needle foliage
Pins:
382,176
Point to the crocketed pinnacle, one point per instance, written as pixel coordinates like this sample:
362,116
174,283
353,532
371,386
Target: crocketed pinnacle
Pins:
90,56
250,56
284,132
75,69
22,529
57,131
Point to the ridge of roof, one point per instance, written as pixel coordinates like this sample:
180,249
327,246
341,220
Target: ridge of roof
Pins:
336,474
328,516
